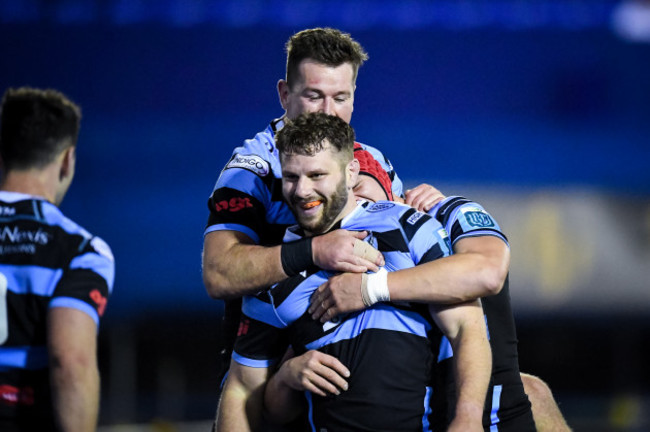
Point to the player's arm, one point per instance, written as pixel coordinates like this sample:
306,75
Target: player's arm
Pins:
477,268
233,265
241,403
74,377
313,371
464,326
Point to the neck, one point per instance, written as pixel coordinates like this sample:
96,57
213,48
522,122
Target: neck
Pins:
32,182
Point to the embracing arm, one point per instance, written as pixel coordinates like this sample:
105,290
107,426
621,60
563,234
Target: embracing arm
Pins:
477,268
233,265
72,348
241,403
464,326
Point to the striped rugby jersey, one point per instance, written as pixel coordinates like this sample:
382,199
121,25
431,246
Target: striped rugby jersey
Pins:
248,198
46,261
387,347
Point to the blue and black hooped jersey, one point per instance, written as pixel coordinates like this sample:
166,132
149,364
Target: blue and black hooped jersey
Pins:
248,198
507,407
387,347
46,261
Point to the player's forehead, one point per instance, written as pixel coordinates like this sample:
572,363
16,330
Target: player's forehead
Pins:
319,76
325,160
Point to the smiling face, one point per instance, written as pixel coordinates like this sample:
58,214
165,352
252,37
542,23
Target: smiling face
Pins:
319,88
318,188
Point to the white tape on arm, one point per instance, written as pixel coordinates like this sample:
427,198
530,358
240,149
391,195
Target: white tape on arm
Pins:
374,287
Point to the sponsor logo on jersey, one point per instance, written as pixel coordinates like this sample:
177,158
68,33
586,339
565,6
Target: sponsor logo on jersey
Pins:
444,235
23,248
414,218
250,162
16,235
477,217
381,206
233,204
7,211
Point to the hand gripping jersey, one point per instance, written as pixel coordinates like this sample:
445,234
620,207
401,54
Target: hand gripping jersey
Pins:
506,407
46,261
387,347
248,198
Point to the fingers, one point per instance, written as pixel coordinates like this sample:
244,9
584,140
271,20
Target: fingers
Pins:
322,306
423,197
323,374
317,309
335,251
366,252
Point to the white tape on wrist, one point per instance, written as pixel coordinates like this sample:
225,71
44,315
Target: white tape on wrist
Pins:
374,287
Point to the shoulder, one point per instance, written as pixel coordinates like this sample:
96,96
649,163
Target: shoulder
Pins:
387,215
465,211
257,155
87,242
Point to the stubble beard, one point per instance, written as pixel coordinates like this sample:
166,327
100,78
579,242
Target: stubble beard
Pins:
332,208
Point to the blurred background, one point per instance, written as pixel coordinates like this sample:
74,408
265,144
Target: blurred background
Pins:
540,110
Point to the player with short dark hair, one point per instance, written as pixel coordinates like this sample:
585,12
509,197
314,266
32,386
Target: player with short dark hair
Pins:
242,250
55,277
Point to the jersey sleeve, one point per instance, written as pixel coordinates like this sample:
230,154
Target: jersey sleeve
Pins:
88,281
464,218
241,197
262,338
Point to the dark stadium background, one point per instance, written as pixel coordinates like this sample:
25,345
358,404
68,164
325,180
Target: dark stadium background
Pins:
512,103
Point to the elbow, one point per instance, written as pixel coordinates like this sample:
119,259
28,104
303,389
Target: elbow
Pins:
216,285
494,279
73,367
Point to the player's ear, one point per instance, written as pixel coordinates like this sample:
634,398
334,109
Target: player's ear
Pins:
68,161
283,92
352,172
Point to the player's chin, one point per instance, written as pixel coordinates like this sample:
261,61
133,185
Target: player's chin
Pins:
311,223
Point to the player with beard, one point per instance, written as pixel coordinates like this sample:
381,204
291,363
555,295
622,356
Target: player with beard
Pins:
507,406
386,347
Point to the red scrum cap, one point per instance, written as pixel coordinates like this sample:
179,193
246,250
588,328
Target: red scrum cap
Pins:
370,167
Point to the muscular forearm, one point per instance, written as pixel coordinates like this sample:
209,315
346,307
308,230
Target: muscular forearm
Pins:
75,396
477,268
464,326
233,267
473,368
